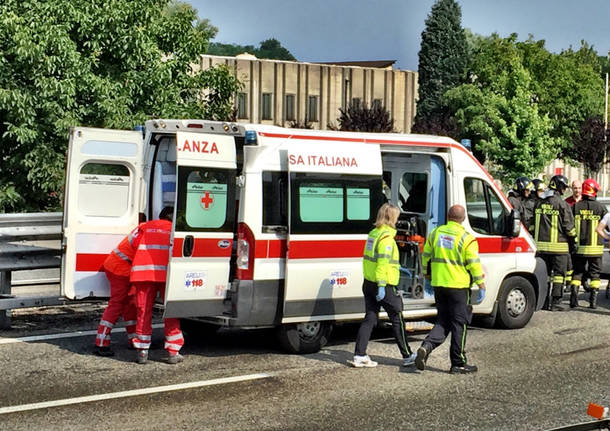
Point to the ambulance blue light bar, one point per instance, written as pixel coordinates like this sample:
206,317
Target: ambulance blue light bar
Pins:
250,137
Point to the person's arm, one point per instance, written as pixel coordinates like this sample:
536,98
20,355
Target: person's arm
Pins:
473,262
427,255
384,254
601,227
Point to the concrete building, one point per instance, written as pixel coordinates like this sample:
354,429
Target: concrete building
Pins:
285,92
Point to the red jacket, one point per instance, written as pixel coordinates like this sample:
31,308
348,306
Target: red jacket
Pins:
571,201
152,252
119,260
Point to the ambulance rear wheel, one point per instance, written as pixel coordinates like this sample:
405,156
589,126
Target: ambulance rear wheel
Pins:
516,303
306,337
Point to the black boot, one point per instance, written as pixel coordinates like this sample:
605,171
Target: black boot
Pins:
556,304
574,296
593,299
422,356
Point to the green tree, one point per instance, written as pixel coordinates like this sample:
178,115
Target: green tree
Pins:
591,145
503,124
359,118
270,48
112,64
442,63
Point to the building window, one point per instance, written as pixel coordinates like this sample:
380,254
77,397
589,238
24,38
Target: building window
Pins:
242,105
267,112
356,101
289,107
312,108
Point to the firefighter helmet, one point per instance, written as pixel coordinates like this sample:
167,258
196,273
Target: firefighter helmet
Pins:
538,184
590,188
522,184
559,183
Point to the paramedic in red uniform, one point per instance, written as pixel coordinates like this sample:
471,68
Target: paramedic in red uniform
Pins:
118,268
148,274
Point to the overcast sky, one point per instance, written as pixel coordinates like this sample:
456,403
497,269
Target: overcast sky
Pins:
350,30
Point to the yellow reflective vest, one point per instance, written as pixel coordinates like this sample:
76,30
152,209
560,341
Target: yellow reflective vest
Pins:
380,258
453,257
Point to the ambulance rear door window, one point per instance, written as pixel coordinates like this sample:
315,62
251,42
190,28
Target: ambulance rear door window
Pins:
103,190
206,199
275,198
334,203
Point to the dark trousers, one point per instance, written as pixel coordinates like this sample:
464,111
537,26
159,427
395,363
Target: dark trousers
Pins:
558,265
392,304
454,313
590,265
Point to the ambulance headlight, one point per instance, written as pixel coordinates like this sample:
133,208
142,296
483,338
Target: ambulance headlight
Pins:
250,138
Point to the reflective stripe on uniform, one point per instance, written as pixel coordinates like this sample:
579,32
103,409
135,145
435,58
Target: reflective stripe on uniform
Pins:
148,268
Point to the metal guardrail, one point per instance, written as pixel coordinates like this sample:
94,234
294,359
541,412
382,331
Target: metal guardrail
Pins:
28,241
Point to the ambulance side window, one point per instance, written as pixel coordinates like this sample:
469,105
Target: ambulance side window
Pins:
103,190
486,214
275,198
333,203
206,199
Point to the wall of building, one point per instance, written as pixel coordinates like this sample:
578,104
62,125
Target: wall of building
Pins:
317,90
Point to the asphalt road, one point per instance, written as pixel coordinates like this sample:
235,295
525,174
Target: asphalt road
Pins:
536,378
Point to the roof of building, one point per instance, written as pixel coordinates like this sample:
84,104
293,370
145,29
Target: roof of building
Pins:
382,64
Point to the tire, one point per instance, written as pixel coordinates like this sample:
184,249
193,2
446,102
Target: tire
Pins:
306,337
516,303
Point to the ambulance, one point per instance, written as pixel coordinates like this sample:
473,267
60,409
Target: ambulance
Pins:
270,223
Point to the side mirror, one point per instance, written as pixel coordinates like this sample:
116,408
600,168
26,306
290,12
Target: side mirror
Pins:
513,225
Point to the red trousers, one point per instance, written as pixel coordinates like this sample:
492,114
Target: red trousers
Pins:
119,304
145,299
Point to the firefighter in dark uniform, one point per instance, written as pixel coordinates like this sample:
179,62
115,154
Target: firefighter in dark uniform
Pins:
590,247
555,236
519,197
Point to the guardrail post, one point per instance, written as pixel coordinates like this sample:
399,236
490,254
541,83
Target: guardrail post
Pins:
5,289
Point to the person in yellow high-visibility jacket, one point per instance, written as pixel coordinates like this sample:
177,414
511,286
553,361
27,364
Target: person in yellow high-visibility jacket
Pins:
451,263
381,274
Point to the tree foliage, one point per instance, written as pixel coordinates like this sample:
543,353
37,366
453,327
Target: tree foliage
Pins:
523,105
591,144
109,64
442,63
270,48
359,118
504,125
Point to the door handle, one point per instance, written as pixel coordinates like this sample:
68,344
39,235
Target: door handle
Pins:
187,246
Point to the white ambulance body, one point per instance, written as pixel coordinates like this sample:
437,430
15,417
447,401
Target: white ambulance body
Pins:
270,223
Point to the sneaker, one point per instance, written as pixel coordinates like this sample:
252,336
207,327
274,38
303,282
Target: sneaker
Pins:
420,358
363,361
174,359
463,369
103,351
142,356
409,360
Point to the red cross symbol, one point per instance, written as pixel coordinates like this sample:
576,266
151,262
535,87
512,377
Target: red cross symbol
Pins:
207,200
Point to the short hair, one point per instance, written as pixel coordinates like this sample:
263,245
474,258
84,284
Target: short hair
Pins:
387,214
167,213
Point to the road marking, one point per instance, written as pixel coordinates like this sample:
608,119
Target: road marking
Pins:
132,393
62,335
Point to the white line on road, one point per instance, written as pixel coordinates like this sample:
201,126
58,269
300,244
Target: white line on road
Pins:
62,335
132,393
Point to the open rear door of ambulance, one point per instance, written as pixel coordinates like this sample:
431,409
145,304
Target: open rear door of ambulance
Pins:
335,192
199,266
103,187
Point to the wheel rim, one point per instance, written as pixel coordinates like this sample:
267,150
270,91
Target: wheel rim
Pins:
516,302
308,329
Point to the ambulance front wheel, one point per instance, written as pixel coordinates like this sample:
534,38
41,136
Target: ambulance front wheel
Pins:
306,337
516,303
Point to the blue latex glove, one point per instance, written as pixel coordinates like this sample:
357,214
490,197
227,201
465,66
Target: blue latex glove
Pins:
428,289
480,296
380,293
